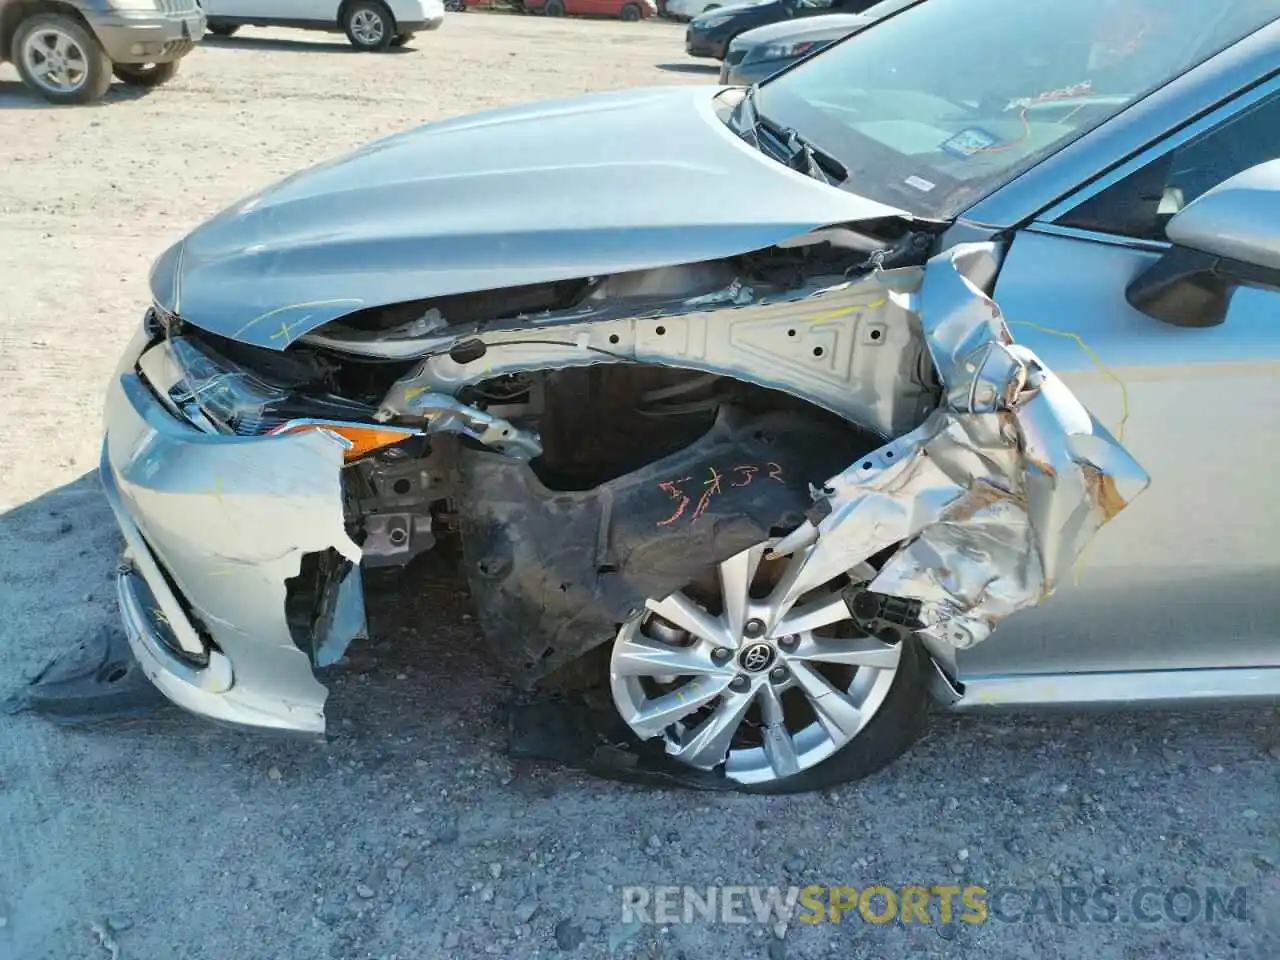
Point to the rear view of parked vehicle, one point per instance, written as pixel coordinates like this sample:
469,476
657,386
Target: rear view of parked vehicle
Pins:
69,51
370,25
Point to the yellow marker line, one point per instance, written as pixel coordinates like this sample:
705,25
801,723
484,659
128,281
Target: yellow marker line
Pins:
347,301
1095,359
1078,568
845,311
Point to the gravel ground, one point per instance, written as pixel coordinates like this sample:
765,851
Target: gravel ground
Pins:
411,835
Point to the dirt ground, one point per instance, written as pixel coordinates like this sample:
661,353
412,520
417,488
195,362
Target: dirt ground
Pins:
411,835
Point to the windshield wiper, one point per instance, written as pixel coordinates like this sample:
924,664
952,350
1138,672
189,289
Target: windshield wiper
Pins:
786,144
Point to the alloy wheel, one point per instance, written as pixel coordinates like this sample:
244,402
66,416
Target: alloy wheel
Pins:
732,671
368,27
55,61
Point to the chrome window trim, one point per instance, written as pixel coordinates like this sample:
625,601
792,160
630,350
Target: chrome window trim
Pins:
1095,236
1203,89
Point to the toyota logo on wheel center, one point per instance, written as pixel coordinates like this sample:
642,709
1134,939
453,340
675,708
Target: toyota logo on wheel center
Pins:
757,657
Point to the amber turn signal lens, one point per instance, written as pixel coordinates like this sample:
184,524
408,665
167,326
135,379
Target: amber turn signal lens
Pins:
363,438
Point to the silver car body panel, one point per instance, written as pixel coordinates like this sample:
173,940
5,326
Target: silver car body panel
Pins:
994,495
1123,689
523,195
1169,604
1185,582
993,498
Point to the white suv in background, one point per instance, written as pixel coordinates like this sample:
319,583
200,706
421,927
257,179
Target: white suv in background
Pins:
688,9
368,24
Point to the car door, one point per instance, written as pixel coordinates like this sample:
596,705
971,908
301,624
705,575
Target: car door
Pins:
283,11
1185,577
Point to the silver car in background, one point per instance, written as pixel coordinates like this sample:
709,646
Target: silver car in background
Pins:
760,53
759,415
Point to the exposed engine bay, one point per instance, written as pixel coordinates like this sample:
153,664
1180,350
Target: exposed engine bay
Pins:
589,447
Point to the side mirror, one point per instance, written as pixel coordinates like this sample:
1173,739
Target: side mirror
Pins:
1224,239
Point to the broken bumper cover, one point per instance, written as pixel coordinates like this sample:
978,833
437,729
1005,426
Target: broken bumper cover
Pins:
214,525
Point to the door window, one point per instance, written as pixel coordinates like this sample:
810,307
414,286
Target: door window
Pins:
1143,202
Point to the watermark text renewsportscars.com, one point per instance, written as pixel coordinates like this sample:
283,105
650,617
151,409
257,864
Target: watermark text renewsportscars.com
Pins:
933,904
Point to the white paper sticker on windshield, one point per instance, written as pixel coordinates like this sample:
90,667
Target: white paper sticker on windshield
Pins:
921,184
968,142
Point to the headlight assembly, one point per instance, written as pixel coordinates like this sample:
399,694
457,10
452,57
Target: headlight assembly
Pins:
786,50
226,396
133,6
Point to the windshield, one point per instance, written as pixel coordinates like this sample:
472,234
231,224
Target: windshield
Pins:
944,102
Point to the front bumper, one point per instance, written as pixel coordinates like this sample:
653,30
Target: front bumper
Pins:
420,26
159,37
746,73
700,44
214,525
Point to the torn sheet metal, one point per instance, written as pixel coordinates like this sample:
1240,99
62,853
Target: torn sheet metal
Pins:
847,346
994,497
444,414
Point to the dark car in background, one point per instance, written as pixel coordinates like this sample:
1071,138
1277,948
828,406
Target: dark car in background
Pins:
710,34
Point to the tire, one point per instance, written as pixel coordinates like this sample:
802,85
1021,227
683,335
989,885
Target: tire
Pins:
368,25
400,39
145,74
837,708
80,58
630,13
222,29
553,8
899,723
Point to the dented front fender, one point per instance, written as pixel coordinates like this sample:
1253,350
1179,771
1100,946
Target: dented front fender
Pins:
994,497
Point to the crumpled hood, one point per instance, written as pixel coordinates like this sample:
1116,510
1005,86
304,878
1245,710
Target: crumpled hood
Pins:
529,194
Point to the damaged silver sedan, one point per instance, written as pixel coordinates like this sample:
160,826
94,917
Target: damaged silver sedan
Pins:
758,415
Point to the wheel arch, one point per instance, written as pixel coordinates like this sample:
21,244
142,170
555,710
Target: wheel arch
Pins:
14,14
346,5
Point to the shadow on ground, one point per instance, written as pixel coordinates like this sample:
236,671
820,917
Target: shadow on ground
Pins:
338,44
423,639
701,69
16,95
